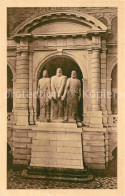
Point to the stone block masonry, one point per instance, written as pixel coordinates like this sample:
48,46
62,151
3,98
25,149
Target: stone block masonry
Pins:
21,146
64,147
60,148
94,148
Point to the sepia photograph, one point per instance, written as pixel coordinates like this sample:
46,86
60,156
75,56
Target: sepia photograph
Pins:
62,101
62,98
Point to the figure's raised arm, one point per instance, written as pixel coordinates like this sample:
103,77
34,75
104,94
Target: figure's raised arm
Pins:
66,89
53,90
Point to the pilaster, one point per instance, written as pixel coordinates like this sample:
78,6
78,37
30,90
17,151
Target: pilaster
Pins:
22,82
104,82
95,113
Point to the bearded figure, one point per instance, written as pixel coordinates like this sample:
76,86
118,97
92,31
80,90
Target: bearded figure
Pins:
57,89
72,95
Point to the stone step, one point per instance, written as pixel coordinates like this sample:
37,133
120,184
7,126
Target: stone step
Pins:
57,166
57,172
60,177
53,125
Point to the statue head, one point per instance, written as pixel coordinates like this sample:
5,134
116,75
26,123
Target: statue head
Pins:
45,74
73,74
59,72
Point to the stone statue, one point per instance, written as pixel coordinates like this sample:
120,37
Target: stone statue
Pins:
72,94
44,90
57,89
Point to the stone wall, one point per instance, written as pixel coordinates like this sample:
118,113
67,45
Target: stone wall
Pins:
17,15
94,146
22,140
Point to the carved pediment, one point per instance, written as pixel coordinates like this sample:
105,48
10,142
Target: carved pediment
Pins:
61,28
59,23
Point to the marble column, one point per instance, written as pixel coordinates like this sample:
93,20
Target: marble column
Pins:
22,86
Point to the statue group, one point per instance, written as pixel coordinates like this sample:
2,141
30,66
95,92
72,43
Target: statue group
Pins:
59,97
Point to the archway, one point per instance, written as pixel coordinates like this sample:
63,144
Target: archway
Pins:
9,93
67,65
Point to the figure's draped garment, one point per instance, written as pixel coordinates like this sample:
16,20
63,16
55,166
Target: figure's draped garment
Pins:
44,89
73,92
57,88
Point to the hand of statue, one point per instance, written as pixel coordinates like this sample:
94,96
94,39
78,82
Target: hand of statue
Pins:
54,96
62,98
59,95
49,96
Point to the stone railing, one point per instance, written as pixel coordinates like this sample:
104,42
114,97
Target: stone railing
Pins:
112,120
9,118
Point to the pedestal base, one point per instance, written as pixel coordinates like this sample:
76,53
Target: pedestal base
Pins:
57,145
57,174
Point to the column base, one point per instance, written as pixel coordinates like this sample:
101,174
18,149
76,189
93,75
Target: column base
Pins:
22,117
94,118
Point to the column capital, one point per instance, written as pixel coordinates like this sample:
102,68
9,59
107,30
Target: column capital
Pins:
89,50
31,52
96,47
22,49
103,49
85,80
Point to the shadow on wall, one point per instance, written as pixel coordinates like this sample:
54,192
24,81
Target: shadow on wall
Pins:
9,157
112,168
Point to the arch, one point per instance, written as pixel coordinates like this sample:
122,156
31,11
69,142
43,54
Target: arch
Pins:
65,14
11,66
42,61
112,17
114,25
112,64
104,20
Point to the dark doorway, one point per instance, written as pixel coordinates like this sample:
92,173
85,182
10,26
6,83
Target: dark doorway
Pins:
9,90
114,90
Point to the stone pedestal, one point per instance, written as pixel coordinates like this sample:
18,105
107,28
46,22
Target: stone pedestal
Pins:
57,145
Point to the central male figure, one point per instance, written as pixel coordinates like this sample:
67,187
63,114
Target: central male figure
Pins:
57,87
